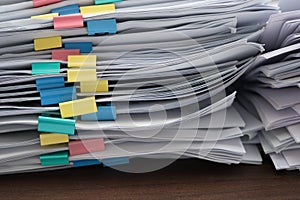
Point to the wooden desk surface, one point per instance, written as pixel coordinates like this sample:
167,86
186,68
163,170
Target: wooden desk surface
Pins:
185,179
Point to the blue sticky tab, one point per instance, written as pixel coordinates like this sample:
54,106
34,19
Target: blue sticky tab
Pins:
102,26
83,163
50,82
105,113
56,125
109,162
66,10
57,95
84,47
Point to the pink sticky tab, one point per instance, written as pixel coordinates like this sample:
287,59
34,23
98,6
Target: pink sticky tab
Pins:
78,147
68,21
62,54
39,3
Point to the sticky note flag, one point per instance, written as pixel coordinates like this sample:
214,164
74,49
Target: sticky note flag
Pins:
45,68
45,16
54,159
107,8
84,163
94,86
62,54
115,161
53,138
84,47
47,43
78,147
50,82
39,3
97,2
56,125
80,75
82,61
78,107
68,21
66,10
105,113
57,95
102,26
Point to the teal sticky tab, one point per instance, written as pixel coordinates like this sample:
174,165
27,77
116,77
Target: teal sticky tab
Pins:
109,162
97,2
45,68
56,125
54,159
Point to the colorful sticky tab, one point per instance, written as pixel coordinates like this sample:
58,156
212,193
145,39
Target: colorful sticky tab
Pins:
56,125
105,113
39,3
97,2
84,163
78,107
78,147
62,54
82,61
107,8
84,47
68,21
57,95
102,26
53,138
115,161
50,82
45,16
47,43
45,68
53,159
80,75
66,10
94,86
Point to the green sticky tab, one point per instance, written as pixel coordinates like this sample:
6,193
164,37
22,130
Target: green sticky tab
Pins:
53,159
97,2
45,68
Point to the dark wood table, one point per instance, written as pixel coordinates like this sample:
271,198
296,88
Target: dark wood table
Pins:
185,179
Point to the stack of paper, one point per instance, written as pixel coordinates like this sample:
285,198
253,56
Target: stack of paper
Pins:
156,86
272,89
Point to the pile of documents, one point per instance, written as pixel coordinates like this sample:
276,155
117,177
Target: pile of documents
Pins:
271,88
107,82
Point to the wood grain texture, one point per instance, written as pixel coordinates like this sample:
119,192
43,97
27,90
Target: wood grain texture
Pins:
185,179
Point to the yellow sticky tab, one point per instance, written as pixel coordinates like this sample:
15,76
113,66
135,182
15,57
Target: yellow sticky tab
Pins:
80,75
82,61
105,8
78,107
47,43
53,138
94,86
46,16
